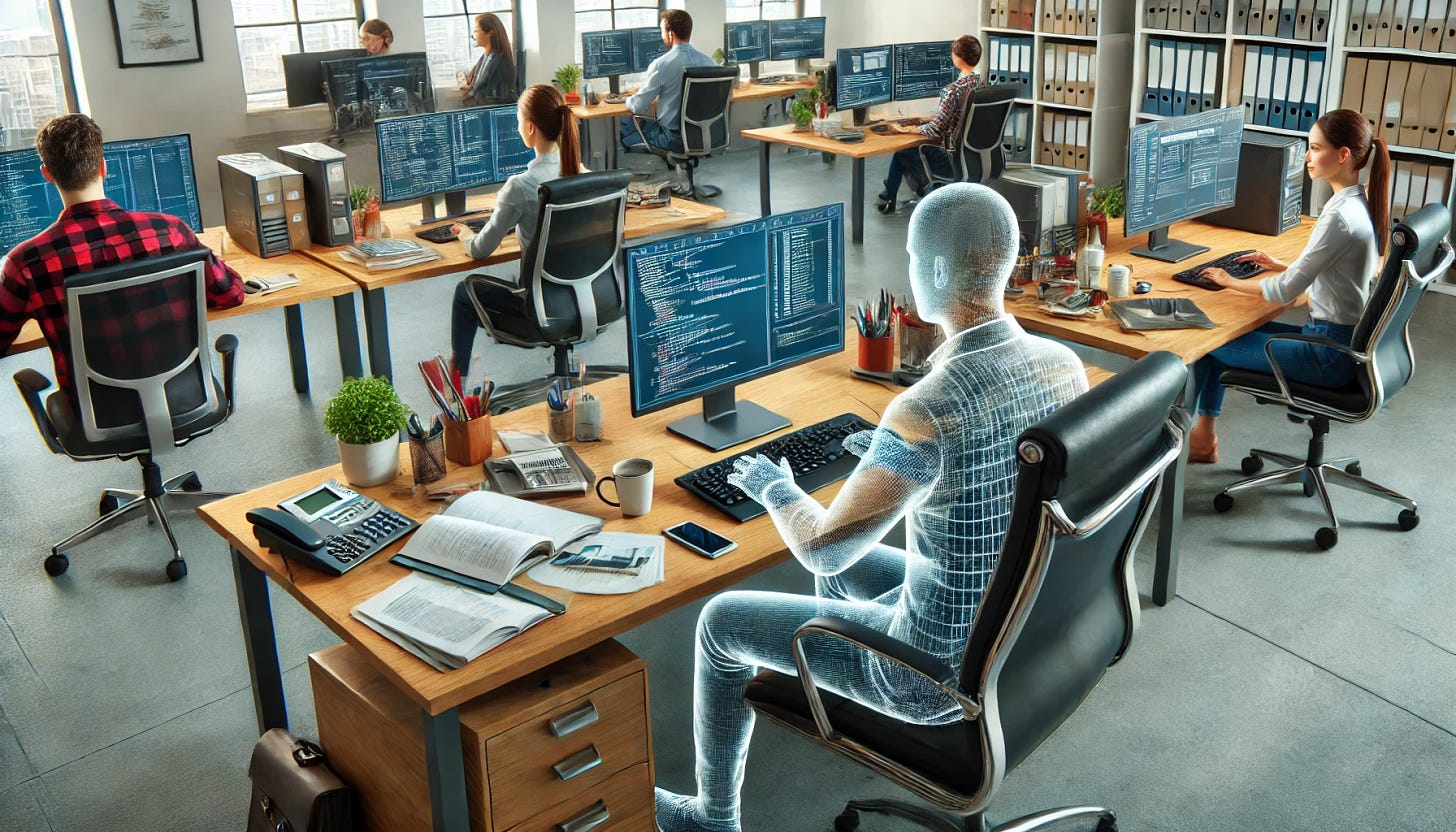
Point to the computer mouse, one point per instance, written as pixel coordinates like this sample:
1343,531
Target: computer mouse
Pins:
1142,287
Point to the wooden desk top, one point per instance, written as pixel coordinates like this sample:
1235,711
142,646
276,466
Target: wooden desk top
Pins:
641,222
1235,312
873,145
740,93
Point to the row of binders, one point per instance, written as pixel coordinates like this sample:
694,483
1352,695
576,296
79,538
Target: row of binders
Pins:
1296,19
1069,73
1058,17
1009,62
1414,184
1428,25
1065,139
1411,104
1186,15
1279,86
1182,77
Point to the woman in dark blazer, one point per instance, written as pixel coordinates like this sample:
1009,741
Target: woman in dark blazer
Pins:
493,80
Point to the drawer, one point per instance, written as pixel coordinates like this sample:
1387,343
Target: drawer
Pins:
565,752
621,804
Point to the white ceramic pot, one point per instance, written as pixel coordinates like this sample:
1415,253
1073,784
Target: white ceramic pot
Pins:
366,465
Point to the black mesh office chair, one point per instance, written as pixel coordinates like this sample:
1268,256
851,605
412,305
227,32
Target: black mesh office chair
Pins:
142,390
1060,608
571,283
1419,253
980,154
707,96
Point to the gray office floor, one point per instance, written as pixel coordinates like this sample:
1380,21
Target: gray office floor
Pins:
1286,688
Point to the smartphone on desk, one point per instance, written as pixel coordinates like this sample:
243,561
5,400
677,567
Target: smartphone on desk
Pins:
707,543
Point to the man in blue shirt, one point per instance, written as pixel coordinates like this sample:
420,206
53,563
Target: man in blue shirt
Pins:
663,83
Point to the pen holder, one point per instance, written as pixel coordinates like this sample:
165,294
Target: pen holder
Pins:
561,424
468,443
588,421
427,458
917,343
877,354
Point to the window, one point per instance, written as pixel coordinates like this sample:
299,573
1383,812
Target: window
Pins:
269,29
450,38
34,82
596,15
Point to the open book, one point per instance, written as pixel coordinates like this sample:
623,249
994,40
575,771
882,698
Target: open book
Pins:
443,623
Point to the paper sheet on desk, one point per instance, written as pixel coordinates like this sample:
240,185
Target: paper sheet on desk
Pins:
598,582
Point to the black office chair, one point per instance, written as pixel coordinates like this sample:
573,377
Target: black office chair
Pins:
141,390
571,284
707,96
1419,253
980,154
1060,608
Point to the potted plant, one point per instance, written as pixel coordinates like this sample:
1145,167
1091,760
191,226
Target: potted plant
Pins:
358,199
803,111
1103,203
366,417
567,76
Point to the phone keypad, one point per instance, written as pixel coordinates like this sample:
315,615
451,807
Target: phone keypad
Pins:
368,535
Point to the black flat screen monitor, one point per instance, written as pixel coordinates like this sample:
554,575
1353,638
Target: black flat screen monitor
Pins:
922,70
647,46
364,90
789,40
153,175
713,309
1177,169
606,53
440,153
303,74
746,43
865,76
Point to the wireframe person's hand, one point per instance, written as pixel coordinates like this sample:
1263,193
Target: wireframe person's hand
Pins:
753,476
858,443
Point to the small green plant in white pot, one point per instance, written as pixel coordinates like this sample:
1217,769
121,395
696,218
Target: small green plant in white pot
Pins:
366,417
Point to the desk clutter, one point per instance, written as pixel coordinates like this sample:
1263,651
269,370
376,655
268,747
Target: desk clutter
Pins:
377,255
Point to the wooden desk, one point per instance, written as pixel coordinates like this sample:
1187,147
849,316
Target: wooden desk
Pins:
316,282
873,145
641,222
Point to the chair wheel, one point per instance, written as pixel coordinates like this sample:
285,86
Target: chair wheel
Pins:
57,563
848,821
1222,502
176,569
191,482
1107,824
1353,469
1251,465
1326,538
1408,519
108,504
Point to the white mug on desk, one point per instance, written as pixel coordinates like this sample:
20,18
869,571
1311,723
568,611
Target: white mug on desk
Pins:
633,481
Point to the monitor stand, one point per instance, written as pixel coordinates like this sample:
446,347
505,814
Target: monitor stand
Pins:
454,206
1160,247
614,85
753,71
725,423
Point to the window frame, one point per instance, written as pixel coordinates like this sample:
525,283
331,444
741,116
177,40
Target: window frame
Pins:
516,31
798,11
298,24
70,97
629,79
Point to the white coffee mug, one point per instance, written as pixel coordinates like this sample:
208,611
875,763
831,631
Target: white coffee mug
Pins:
1119,281
633,481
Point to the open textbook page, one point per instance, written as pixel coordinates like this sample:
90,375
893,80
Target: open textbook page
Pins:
493,537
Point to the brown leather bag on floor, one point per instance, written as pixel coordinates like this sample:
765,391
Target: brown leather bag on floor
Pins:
294,790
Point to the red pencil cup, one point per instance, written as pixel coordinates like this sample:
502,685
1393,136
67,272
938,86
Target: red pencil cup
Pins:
877,354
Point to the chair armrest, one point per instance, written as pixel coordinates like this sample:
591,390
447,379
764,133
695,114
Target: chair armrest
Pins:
31,385
930,176
227,346
911,658
1288,397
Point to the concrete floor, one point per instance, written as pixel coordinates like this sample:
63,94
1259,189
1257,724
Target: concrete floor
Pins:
1284,689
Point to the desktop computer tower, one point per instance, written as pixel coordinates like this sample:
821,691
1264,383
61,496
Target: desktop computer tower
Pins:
263,204
326,190
1270,193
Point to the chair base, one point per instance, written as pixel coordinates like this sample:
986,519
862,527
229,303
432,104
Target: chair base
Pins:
516,396
946,821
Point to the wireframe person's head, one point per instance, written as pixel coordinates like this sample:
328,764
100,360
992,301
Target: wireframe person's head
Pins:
962,246
70,151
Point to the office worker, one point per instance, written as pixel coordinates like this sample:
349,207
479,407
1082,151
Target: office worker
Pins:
493,80
376,37
1335,268
944,127
91,232
943,458
663,84
548,127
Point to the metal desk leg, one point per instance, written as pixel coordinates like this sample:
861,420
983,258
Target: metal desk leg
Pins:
297,352
1170,519
763,206
445,769
256,615
614,137
376,330
346,325
856,203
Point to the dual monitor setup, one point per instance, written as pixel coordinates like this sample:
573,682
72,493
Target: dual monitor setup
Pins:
611,53
360,88
445,153
871,75
752,41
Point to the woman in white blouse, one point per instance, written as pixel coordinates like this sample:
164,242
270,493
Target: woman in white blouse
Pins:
1335,268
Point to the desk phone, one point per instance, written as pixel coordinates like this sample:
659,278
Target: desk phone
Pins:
329,527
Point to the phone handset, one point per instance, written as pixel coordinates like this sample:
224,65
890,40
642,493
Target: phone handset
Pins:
288,536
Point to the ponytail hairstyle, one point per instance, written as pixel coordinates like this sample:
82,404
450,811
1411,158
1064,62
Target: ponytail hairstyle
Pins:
543,106
1350,130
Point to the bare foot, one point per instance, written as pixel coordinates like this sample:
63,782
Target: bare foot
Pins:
1203,453
1203,441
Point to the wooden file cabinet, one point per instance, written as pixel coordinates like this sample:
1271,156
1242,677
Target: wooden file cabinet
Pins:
555,749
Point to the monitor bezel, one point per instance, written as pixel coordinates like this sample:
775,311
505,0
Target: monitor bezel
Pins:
1127,172
839,73
895,64
824,47
444,114
631,53
300,64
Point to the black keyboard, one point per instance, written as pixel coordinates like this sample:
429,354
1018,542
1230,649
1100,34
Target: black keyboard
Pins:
814,453
441,233
1240,270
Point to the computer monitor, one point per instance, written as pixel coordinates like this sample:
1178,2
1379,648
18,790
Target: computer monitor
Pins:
713,309
606,54
446,153
865,76
303,74
1177,169
746,43
647,46
364,90
790,40
153,175
922,70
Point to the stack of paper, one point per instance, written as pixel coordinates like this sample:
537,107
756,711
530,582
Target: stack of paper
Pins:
388,254
606,563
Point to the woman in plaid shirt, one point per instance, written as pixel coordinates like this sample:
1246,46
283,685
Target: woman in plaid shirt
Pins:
943,127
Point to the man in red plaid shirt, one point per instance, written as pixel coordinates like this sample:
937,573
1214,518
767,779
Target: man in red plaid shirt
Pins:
91,232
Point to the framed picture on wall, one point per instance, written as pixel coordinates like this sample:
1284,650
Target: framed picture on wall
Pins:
153,32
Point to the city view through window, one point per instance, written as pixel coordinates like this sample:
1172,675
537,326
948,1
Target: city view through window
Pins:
32,89
269,29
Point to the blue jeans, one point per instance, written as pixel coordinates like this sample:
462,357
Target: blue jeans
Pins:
1307,363
656,135
908,160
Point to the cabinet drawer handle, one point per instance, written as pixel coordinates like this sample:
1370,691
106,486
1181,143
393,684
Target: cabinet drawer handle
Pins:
578,763
576,720
586,821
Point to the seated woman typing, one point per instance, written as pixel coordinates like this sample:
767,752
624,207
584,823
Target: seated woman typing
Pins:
548,127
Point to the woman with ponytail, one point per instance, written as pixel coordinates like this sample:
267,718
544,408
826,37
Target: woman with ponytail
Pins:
1335,268
548,127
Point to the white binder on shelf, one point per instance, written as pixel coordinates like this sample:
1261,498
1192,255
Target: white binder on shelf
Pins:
1314,77
1415,28
1180,79
1413,115
1320,27
1024,50
1435,26
1212,61
1393,109
1154,76
1399,20
1279,94
1193,101
1165,85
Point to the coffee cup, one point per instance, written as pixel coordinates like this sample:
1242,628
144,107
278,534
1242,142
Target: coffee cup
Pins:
1119,280
632,479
